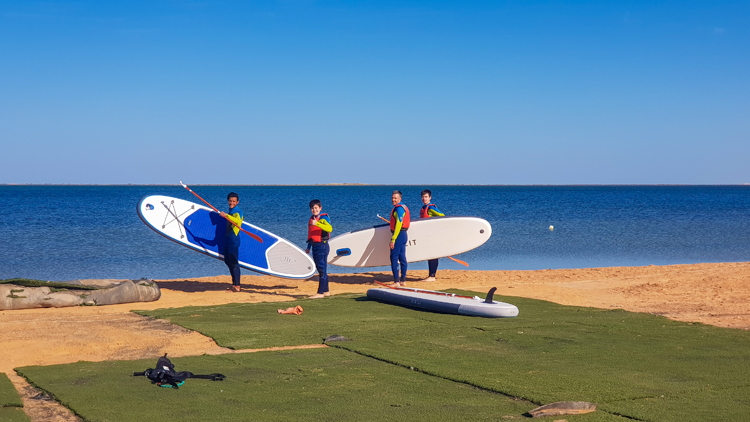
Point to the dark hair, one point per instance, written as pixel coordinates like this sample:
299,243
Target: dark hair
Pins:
428,192
398,192
315,202
233,195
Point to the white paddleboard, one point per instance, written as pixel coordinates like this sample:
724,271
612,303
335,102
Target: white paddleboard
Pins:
447,303
202,229
429,238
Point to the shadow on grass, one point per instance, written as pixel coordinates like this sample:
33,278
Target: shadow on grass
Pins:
267,293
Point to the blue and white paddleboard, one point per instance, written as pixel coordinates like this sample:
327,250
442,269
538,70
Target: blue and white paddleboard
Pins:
203,230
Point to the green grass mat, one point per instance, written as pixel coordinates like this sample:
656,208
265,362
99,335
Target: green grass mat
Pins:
711,404
13,414
27,282
8,395
11,406
549,353
299,385
258,325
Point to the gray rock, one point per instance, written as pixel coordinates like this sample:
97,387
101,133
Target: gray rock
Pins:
563,408
336,337
126,292
120,291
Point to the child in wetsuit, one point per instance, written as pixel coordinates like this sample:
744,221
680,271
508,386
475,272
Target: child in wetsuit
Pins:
318,232
232,240
430,210
399,223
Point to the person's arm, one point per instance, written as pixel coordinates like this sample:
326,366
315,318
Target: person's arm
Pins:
325,224
309,241
432,211
399,215
235,218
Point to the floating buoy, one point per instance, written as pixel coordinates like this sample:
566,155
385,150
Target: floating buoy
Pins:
551,228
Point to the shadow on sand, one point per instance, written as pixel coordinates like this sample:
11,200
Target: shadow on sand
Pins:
190,286
367,279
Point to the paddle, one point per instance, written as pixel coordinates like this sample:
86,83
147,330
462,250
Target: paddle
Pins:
254,236
449,257
432,292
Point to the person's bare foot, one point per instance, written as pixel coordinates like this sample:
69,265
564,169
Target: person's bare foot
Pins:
316,296
234,289
396,285
326,294
429,279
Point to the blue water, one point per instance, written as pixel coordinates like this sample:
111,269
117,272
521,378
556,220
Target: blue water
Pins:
71,232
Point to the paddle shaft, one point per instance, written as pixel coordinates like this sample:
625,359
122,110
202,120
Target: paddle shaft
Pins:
432,292
254,236
449,257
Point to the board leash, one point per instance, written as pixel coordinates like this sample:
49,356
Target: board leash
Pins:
449,257
254,236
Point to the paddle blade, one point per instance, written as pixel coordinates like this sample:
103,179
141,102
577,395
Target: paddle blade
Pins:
254,236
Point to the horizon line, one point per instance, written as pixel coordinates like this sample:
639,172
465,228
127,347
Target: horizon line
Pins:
376,184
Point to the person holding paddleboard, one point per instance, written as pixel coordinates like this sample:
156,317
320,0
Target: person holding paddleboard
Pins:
430,210
399,221
232,240
318,232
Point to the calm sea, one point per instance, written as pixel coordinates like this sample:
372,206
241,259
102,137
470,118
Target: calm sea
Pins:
71,232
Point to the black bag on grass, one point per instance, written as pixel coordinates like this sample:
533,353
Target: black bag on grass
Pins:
164,374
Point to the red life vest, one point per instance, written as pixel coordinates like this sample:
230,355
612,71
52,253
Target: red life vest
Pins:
315,233
407,218
423,212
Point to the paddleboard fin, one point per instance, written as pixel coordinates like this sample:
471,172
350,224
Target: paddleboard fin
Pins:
490,294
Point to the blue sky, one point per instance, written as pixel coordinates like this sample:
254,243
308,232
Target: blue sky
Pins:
434,92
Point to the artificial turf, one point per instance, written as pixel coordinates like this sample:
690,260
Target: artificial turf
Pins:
710,404
8,395
301,385
640,366
28,282
11,406
622,360
13,414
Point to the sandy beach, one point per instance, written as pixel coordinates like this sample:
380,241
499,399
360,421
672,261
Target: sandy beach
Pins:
716,294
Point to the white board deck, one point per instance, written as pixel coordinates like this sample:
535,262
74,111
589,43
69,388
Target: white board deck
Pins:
429,238
444,302
201,229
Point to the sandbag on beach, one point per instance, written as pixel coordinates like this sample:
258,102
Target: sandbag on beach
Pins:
29,294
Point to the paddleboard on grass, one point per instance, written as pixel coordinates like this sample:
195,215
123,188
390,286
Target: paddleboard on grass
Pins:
446,303
429,238
201,229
